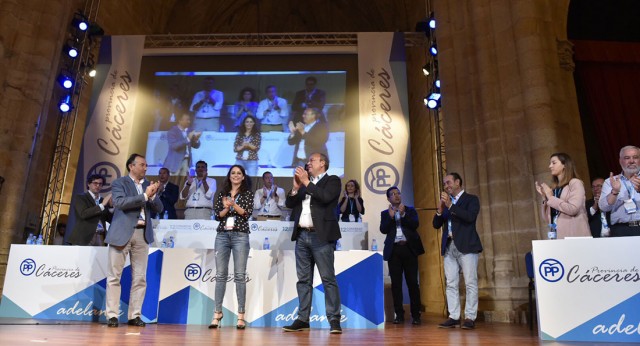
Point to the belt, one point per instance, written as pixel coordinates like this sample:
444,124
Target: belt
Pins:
139,226
271,216
401,242
628,224
199,208
306,229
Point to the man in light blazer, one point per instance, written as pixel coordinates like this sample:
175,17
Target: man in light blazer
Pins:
181,139
131,232
457,213
91,210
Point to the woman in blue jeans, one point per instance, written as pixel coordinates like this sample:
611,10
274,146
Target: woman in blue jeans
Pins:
233,207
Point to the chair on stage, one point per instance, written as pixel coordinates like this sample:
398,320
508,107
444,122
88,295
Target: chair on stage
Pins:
528,260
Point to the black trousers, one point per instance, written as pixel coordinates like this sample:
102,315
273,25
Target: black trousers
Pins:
403,261
624,230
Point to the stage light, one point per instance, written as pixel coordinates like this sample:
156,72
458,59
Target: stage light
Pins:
92,72
433,49
433,100
426,69
66,81
70,50
80,22
432,21
65,104
437,84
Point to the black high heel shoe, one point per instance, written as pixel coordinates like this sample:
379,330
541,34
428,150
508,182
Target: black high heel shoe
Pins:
216,320
243,325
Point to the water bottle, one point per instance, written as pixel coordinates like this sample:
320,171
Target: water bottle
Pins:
172,243
39,241
374,245
31,239
221,128
157,216
266,245
164,243
338,245
166,215
553,232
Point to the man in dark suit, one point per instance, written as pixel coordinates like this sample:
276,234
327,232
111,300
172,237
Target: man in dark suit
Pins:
92,213
596,224
130,233
309,97
181,139
314,198
168,192
402,246
309,136
457,214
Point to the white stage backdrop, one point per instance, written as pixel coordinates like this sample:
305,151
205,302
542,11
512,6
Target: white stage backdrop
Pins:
385,153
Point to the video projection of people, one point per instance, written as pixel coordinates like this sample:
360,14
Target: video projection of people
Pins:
219,102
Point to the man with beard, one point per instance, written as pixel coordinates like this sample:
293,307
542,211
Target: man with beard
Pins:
621,195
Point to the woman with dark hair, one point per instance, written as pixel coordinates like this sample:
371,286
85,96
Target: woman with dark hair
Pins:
233,207
247,105
247,144
563,206
351,205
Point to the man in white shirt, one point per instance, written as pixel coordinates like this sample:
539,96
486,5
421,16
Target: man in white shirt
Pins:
198,191
269,201
273,111
206,106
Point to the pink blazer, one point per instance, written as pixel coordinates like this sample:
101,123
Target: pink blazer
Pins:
572,221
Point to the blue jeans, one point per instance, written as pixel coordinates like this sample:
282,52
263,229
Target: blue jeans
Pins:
250,166
311,251
454,260
226,243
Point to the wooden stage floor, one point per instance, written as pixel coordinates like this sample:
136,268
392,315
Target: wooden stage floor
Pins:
26,332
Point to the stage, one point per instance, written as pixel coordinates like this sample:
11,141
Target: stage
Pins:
21,332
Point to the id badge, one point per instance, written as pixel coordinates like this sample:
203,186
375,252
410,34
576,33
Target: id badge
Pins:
245,154
196,196
230,222
630,206
352,218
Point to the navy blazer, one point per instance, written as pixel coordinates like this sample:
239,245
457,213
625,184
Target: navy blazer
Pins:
324,199
178,146
88,214
169,197
315,141
463,217
409,224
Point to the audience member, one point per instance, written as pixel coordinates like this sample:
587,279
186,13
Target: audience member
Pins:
563,206
309,97
351,205
130,234
198,191
247,105
206,106
61,229
308,137
181,139
269,201
314,198
272,111
247,145
233,207
456,214
92,213
167,108
402,246
598,221
168,192
621,195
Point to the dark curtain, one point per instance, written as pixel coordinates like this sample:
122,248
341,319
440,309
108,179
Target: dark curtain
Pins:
607,78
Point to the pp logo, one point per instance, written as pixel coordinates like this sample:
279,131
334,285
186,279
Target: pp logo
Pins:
551,270
108,170
254,226
27,267
380,176
196,226
192,272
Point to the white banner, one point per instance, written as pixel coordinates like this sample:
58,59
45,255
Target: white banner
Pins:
385,153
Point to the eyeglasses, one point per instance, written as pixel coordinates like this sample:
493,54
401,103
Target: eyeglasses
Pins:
96,183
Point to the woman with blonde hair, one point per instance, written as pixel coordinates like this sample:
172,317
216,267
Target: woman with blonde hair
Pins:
563,206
